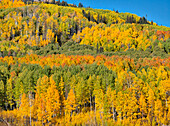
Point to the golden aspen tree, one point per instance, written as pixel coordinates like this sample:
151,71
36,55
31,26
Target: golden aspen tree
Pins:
69,106
43,84
143,105
70,103
24,106
9,92
110,97
52,100
2,91
99,104
119,105
79,93
133,106
41,111
158,110
168,107
36,105
62,96
151,105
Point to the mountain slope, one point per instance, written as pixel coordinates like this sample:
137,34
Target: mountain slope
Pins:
42,24
63,65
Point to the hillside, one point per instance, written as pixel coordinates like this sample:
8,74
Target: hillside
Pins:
25,30
66,65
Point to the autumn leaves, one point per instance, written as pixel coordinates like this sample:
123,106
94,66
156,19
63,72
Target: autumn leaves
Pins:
120,37
11,3
59,89
82,90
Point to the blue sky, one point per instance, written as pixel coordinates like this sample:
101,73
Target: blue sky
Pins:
156,10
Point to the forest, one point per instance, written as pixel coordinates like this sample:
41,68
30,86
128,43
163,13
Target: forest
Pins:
63,64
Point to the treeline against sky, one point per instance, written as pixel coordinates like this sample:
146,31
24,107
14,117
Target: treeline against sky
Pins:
66,65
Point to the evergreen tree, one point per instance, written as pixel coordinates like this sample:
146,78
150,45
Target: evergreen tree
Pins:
80,5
